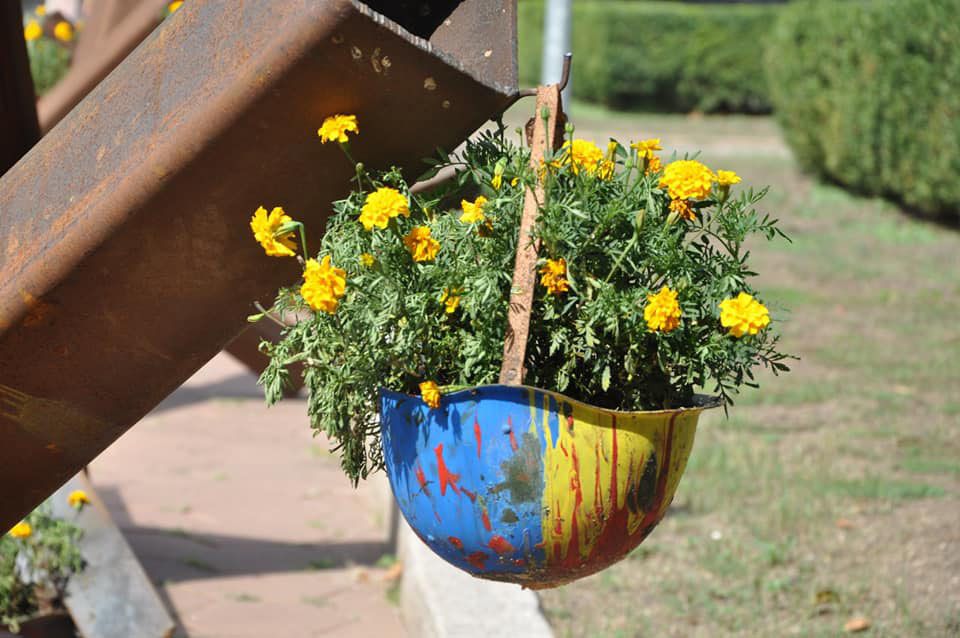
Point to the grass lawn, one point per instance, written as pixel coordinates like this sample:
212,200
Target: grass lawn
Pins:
831,492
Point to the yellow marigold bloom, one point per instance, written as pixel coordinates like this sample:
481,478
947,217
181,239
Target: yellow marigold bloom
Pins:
451,299
682,208
605,170
381,206
743,315
77,499
173,6
497,181
323,285
473,211
553,276
21,530
367,260
41,10
662,312
430,392
645,148
264,229
514,181
687,179
32,31
63,31
421,245
727,178
336,127
653,165
583,154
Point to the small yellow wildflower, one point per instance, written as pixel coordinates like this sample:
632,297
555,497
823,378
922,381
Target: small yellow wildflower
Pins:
743,315
662,312
33,31
654,165
682,208
687,179
421,245
77,499
336,127
173,6
451,299
645,148
381,206
63,31
473,211
367,260
264,229
41,10
553,275
430,393
583,154
21,530
727,178
323,285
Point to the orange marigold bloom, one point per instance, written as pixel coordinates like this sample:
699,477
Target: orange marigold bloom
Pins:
743,315
727,178
323,285
687,179
265,226
421,245
554,276
451,299
662,312
645,148
582,154
77,499
336,127
430,393
381,206
653,165
473,211
21,530
683,209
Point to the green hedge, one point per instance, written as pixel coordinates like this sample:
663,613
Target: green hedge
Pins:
868,95
662,56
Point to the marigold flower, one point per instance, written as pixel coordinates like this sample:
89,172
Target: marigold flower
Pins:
473,211
605,170
381,206
21,530
336,127
514,181
77,499
451,299
430,393
63,31
41,10
582,154
653,165
743,315
611,150
727,178
173,6
265,227
662,312
687,179
645,148
682,208
33,31
323,285
553,276
421,245
367,260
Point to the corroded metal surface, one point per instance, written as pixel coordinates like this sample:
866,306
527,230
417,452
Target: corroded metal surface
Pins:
18,116
127,260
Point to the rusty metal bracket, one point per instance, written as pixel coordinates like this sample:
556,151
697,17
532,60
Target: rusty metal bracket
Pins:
127,260
19,129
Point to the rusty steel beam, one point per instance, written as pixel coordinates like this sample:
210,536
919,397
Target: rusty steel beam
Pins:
19,129
127,257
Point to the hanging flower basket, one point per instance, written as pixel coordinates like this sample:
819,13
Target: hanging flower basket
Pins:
527,486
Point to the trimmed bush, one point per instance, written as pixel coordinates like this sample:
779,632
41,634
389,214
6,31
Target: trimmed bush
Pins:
868,95
663,56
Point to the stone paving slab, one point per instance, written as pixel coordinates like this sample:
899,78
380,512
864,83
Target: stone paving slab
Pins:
244,520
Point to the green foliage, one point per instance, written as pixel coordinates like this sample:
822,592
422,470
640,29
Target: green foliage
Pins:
49,62
660,55
866,92
621,243
34,571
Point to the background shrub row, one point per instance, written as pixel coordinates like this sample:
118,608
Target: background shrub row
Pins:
868,95
664,56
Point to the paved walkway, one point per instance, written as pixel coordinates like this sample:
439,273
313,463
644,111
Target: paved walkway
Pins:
244,521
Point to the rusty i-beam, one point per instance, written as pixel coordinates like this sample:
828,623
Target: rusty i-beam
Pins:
127,260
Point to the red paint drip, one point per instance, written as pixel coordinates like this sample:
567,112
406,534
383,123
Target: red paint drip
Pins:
446,476
486,520
500,545
513,438
456,542
563,448
471,495
422,480
476,433
478,560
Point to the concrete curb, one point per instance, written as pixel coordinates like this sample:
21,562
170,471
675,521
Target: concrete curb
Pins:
439,601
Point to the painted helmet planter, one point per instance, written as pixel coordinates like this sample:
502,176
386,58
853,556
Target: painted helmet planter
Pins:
522,485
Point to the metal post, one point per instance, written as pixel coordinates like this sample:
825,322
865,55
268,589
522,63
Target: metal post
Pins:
556,43
19,130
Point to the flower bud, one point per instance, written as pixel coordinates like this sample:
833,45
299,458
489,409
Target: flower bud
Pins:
638,219
672,218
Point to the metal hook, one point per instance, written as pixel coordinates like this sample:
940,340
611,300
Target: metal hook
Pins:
564,79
